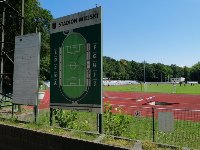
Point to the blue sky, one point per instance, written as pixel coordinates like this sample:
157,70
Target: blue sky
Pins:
164,31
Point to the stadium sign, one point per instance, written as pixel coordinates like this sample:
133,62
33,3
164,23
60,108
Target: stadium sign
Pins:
76,61
26,69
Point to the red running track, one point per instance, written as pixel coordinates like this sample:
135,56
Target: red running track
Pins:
44,103
185,107
130,98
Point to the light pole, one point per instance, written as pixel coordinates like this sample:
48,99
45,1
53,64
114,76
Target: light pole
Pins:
22,32
22,18
144,71
2,46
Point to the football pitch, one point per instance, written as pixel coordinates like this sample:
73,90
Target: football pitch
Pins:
157,88
73,67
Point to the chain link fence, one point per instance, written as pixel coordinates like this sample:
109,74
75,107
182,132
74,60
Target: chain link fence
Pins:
169,126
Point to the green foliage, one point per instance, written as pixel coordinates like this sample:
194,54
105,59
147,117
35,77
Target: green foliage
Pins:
115,123
70,119
195,71
44,117
14,119
147,145
65,119
35,18
155,72
45,68
185,134
83,125
118,142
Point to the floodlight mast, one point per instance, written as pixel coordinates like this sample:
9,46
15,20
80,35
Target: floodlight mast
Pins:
2,47
22,19
144,72
2,52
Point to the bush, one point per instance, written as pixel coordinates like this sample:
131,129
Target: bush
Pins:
147,145
115,124
65,119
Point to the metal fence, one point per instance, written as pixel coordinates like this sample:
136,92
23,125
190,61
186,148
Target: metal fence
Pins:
185,130
177,127
164,125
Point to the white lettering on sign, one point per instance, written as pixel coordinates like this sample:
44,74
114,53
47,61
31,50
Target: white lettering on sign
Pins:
88,65
94,65
55,53
94,74
78,20
94,83
94,56
95,46
55,67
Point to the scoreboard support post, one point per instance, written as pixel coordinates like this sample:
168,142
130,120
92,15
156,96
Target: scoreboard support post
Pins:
100,123
51,116
36,113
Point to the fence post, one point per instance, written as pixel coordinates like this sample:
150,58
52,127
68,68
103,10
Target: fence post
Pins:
36,113
12,110
51,116
153,124
99,123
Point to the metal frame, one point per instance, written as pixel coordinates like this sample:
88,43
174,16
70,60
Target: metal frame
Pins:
3,52
7,9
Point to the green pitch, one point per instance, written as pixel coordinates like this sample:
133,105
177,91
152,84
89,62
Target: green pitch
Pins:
73,67
160,88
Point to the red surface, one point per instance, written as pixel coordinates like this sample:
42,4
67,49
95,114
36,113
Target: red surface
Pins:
130,98
45,102
185,107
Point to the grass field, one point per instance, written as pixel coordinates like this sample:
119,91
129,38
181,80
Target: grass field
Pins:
139,128
186,133
154,88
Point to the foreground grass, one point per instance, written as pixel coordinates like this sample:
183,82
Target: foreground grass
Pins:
185,133
110,140
154,88
49,129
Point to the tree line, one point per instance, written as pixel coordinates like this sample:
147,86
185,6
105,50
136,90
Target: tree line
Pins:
156,72
37,19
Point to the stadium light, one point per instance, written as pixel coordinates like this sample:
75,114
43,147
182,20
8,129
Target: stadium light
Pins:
144,71
1,1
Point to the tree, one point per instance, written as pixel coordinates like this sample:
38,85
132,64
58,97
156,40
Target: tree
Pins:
186,73
159,72
155,72
149,72
109,67
123,67
133,70
167,71
35,18
177,71
195,72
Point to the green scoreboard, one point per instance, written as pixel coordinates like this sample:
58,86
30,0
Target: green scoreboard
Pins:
76,61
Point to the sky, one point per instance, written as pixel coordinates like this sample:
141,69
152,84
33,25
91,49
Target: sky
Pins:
157,31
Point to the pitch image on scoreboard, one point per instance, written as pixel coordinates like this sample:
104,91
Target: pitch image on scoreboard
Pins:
73,66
